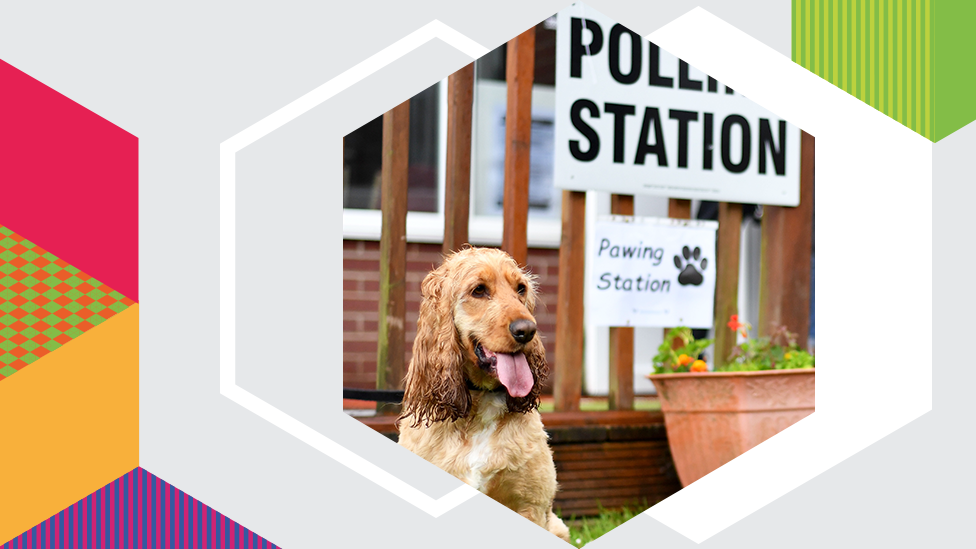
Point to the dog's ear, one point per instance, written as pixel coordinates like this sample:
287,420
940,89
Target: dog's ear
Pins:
435,389
535,355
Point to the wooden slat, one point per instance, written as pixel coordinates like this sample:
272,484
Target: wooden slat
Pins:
457,195
568,374
390,367
519,71
678,208
727,278
621,395
599,455
601,474
784,276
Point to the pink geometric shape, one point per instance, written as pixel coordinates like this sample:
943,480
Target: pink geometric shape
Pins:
69,180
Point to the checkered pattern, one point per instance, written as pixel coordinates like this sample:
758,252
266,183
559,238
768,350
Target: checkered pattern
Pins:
44,302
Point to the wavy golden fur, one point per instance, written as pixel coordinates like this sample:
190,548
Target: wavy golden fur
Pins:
459,410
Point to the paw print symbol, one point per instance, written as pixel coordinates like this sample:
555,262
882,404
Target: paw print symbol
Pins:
690,274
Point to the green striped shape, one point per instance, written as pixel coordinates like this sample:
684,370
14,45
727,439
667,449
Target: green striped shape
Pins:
914,60
876,50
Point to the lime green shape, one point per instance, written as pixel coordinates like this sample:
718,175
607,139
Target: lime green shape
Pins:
74,307
7,358
29,345
96,294
8,307
7,345
73,293
51,345
29,294
7,255
30,268
8,371
29,255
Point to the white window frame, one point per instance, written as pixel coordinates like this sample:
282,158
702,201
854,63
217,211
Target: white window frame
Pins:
428,227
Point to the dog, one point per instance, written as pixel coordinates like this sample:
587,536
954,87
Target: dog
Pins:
471,392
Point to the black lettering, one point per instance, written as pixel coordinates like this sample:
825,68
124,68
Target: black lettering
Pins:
728,91
766,138
707,142
588,132
655,69
620,112
651,116
635,55
684,81
712,85
743,164
604,244
603,280
616,281
683,117
578,49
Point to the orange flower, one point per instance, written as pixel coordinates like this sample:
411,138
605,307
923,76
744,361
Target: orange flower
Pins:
684,360
699,366
734,322
737,326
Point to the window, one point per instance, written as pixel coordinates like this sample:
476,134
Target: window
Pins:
428,132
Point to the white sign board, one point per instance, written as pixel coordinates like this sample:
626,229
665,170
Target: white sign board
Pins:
652,272
634,119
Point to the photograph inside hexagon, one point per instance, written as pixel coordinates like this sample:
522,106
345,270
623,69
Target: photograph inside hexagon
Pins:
578,274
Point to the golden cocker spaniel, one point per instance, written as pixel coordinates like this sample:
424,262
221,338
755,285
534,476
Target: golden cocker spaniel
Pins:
472,388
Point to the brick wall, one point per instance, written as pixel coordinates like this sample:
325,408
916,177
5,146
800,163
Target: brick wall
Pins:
360,302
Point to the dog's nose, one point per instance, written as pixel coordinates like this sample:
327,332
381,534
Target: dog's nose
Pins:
523,330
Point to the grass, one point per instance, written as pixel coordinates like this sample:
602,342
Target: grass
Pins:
601,405
587,529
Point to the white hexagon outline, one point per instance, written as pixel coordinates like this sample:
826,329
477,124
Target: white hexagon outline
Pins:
731,493
227,258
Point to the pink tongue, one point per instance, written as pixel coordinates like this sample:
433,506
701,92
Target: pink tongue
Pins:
513,371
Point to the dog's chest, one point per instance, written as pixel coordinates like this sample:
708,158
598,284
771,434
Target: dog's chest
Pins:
485,447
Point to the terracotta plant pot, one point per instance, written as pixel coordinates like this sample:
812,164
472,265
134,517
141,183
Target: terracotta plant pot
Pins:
713,417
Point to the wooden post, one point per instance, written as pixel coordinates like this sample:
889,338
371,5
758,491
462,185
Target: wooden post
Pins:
621,396
568,375
393,250
727,279
678,208
457,193
519,71
784,275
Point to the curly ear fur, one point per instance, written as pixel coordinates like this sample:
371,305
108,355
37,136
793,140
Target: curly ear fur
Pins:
435,388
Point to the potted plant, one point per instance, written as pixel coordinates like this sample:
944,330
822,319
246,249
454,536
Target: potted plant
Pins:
713,416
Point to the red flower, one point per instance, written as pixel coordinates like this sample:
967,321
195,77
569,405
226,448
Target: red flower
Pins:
734,323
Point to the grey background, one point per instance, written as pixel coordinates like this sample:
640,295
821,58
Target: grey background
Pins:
186,76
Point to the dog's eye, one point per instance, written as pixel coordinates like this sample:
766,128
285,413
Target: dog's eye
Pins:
521,289
479,291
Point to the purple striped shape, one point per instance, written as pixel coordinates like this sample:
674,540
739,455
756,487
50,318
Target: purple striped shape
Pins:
138,510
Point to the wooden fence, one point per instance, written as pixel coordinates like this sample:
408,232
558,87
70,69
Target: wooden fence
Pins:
787,234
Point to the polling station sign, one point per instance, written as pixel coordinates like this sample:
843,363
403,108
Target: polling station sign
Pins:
633,119
652,272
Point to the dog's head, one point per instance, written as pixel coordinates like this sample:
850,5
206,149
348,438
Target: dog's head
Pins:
475,331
